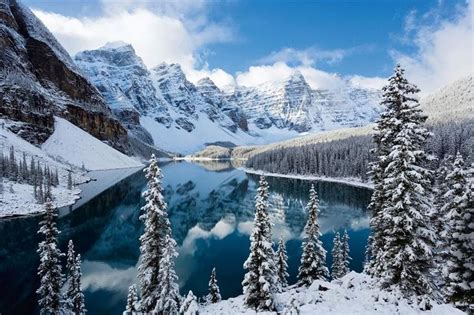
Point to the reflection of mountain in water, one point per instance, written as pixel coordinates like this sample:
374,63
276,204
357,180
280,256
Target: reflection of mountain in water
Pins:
198,197
206,204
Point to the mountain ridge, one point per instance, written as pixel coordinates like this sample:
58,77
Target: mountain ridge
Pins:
179,108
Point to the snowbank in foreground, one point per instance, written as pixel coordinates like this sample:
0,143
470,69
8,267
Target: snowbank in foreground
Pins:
353,294
348,181
73,145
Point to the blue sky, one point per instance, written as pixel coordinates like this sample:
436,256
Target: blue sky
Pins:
344,38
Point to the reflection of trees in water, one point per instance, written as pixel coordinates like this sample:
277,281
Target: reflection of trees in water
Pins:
235,198
219,165
329,193
108,227
18,263
86,225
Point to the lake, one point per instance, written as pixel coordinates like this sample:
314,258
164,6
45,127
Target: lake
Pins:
211,208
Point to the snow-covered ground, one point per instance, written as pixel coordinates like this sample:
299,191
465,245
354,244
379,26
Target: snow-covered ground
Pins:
347,181
73,145
354,294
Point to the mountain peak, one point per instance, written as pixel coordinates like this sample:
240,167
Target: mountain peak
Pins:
297,76
117,45
206,82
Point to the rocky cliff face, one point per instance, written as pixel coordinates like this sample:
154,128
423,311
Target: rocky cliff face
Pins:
293,105
38,78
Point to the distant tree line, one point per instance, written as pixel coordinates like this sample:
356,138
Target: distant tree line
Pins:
351,157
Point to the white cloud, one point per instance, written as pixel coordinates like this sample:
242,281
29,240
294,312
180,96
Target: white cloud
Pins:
155,37
305,57
444,49
368,82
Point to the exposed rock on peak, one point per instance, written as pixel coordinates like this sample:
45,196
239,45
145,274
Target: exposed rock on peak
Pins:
38,77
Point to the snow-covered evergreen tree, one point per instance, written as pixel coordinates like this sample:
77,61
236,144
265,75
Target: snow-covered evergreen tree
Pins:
74,293
337,257
70,259
132,301
49,269
169,298
313,260
282,264
157,227
260,281
346,258
403,238
214,295
190,305
459,259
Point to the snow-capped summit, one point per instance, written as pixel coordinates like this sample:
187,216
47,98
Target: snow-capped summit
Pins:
116,45
165,103
293,105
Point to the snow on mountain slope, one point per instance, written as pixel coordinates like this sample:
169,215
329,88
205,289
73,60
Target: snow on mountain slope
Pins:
182,116
454,101
75,146
38,79
291,104
22,200
170,107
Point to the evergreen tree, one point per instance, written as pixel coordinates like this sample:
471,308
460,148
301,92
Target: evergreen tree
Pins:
282,264
132,301
313,260
157,227
49,269
1,186
40,192
75,295
169,298
190,305
260,281
214,295
70,259
459,261
346,258
402,235
337,258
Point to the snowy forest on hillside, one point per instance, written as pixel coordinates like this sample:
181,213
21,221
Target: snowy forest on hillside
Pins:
350,157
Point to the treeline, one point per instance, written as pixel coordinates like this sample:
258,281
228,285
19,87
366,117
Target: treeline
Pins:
351,157
28,172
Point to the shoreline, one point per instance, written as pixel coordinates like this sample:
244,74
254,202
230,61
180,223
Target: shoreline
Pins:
89,189
347,181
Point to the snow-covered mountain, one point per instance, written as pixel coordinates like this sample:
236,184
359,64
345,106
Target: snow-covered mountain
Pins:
183,117
38,79
293,105
160,106
452,102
